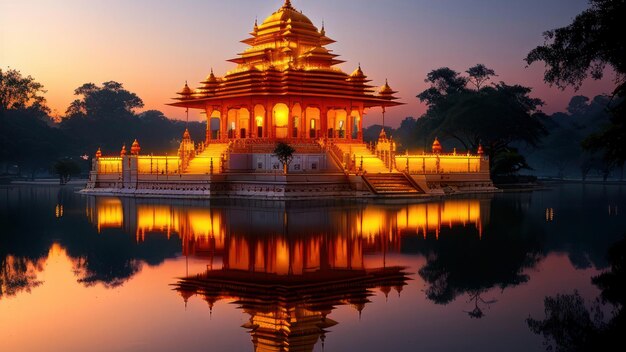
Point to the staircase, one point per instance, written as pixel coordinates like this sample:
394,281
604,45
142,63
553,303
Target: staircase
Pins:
201,164
371,163
391,183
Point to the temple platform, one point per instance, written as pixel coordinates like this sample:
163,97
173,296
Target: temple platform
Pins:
317,171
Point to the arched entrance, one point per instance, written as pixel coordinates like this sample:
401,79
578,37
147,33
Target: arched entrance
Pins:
336,122
313,121
356,122
296,115
231,123
280,114
215,121
244,123
259,119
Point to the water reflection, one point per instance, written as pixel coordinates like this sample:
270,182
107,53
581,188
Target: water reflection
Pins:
295,271
288,268
571,324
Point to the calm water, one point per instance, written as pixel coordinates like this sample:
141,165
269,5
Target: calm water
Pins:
80,273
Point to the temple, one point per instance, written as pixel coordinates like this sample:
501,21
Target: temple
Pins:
286,87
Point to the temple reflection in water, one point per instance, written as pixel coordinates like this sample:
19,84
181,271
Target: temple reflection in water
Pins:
289,267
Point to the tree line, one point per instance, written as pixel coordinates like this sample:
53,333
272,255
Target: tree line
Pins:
102,116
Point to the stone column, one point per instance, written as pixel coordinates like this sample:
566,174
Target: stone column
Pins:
224,123
209,111
303,129
269,113
360,133
251,122
324,122
290,121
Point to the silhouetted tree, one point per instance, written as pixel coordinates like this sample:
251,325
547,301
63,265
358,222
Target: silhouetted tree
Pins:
19,92
65,168
578,105
284,153
496,116
109,100
443,81
479,74
584,48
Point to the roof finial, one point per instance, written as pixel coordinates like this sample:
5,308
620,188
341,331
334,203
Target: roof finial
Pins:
323,30
287,4
256,24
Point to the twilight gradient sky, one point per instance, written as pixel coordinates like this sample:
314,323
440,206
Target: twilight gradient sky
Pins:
152,47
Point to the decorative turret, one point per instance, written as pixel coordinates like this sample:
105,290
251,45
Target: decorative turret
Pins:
135,148
436,146
187,150
123,151
382,136
186,93
386,92
98,153
359,80
358,73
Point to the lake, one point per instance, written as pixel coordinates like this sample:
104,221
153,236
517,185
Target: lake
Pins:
118,274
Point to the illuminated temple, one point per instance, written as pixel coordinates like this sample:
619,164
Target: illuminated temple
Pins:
286,86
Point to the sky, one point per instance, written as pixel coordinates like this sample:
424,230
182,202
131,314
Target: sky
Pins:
152,47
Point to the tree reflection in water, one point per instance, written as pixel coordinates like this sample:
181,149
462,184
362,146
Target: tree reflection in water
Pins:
572,325
460,263
18,274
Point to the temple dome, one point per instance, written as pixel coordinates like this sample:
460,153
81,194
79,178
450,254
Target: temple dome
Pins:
286,14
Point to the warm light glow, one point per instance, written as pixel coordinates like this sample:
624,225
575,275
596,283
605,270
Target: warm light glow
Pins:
281,265
147,164
238,254
156,218
110,213
109,165
281,115
445,163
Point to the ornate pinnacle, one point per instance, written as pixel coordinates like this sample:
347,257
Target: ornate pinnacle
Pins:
287,4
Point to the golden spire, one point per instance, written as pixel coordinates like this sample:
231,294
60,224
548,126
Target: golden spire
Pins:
135,148
186,92
436,146
287,5
323,30
358,72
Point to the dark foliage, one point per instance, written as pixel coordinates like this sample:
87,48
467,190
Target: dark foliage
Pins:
584,48
284,153
65,168
570,325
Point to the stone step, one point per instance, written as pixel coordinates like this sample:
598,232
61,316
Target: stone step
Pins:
393,183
